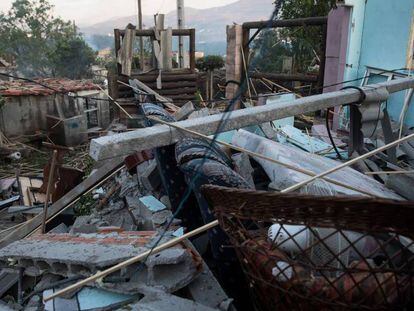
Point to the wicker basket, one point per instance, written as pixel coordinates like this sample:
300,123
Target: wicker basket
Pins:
320,253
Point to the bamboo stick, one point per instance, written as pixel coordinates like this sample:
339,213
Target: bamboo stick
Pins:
346,164
49,188
133,260
254,154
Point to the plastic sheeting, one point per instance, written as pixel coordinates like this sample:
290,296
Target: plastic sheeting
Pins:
283,177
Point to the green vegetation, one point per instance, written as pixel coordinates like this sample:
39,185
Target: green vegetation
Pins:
210,63
41,44
302,44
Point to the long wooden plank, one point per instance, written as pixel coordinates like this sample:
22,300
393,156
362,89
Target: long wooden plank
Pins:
64,202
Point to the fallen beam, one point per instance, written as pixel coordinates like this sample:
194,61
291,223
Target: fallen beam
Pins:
162,135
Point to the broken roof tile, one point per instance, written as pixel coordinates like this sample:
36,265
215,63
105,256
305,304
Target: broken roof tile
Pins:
51,86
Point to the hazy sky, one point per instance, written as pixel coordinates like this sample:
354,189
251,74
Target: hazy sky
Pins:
86,12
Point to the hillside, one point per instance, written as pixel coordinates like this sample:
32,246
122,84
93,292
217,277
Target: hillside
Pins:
210,24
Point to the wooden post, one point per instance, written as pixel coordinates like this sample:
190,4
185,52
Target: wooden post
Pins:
117,36
49,186
245,48
192,49
322,57
180,24
141,39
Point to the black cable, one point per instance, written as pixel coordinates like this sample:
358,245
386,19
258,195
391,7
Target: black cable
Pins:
222,123
328,129
378,119
361,99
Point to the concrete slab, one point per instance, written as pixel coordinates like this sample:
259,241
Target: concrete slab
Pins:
184,111
81,254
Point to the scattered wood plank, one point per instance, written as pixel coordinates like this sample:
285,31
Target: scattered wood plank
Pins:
72,196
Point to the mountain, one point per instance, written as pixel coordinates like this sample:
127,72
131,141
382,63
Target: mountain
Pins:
210,24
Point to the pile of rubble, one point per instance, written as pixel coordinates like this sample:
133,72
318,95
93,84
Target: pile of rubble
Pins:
128,207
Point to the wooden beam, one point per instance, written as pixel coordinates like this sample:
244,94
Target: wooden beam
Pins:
165,77
192,49
150,32
284,77
296,22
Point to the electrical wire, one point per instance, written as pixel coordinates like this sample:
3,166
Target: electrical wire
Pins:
255,97
328,129
222,123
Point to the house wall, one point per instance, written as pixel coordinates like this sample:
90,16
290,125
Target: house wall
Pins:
387,29
355,28
380,35
26,115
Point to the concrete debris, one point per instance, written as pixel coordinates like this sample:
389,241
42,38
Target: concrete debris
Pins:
204,112
184,111
243,167
148,175
88,299
62,228
166,201
83,225
81,254
162,301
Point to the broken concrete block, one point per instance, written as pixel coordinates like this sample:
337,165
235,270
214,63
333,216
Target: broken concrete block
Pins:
149,177
166,201
62,228
169,271
162,217
184,111
152,211
204,112
243,166
83,224
128,186
88,299
83,254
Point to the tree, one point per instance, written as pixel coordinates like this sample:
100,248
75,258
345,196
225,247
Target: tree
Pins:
270,48
305,41
209,64
41,44
301,43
